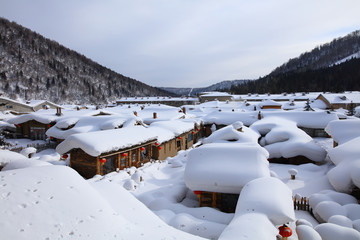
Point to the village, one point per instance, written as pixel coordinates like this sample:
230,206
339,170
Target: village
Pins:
216,166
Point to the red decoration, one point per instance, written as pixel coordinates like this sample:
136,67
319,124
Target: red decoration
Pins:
142,149
124,154
65,156
159,147
193,132
49,126
198,192
51,138
18,125
157,144
285,231
103,161
179,138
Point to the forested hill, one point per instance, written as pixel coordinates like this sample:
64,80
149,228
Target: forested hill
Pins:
34,67
333,67
325,55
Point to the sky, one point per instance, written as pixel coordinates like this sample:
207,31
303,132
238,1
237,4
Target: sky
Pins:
187,43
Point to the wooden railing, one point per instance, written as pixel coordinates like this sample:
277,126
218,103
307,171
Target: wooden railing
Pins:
302,204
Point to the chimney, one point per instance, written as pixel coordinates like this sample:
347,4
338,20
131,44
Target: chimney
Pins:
154,115
184,110
58,111
135,113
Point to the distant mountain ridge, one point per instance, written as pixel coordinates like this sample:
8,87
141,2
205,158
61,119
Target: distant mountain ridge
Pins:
324,55
224,85
33,67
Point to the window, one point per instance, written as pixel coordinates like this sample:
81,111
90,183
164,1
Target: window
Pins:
178,144
190,137
9,106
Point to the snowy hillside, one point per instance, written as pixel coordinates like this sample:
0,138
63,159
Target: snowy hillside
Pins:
33,67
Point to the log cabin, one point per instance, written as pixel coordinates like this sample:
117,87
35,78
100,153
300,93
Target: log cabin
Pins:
101,152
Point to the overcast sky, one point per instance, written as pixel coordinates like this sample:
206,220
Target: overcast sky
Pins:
187,43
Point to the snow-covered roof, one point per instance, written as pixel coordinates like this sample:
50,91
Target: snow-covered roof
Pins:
214,94
284,139
269,102
227,118
156,99
225,167
96,143
308,119
178,127
343,130
346,174
346,97
47,116
231,133
89,124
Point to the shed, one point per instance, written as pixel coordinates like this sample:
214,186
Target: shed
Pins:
270,104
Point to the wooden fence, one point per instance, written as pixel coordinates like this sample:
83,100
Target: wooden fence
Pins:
302,204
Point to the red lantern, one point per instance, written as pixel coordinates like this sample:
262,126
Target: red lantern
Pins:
18,125
49,126
65,156
124,154
159,147
198,192
157,144
103,161
193,132
285,231
142,149
51,138
179,138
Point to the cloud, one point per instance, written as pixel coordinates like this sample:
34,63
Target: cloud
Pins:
188,43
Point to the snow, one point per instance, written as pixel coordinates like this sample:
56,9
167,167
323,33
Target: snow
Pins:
230,133
282,138
268,196
225,167
305,232
41,199
85,212
345,175
246,226
96,143
330,231
7,156
343,131
89,124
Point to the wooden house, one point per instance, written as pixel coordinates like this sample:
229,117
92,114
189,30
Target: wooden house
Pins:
33,125
17,107
270,104
174,136
213,96
217,172
345,100
106,151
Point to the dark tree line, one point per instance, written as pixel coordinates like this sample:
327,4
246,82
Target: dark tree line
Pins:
338,78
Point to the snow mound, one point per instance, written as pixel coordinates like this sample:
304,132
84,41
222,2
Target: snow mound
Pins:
7,156
305,232
230,133
330,231
246,226
284,139
254,198
54,202
24,163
